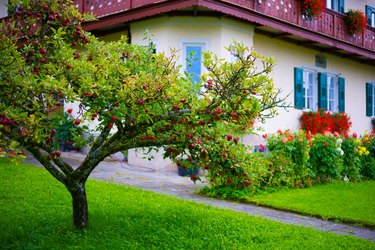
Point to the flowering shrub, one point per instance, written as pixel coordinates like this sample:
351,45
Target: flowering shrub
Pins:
313,8
368,159
356,21
326,157
294,160
294,146
353,152
321,121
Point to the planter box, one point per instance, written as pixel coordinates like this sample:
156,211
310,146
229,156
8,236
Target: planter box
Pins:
188,171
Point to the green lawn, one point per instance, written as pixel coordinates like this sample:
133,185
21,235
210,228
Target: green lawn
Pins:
35,213
350,202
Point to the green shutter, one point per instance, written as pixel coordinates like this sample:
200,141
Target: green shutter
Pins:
368,99
322,91
369,14
341,94
299,101
341,6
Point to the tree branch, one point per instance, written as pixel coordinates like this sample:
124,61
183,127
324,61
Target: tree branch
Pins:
47,165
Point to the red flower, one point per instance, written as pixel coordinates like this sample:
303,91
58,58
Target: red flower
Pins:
356,21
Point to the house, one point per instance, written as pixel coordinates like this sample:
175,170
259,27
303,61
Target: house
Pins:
319,63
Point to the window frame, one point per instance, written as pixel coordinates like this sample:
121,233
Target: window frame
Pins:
314,96
193,43
336,96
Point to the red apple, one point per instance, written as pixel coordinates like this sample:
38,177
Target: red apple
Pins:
45,7
77,122
43,51
51,18
175,107
229,137
229,180
235,139
141,102
144,86
114,118
219,111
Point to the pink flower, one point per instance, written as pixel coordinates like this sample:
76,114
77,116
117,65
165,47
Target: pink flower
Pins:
346,135
262,147
308,136
284,140
336,134
327,133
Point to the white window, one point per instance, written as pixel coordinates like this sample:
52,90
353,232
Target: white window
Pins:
332,93
310,89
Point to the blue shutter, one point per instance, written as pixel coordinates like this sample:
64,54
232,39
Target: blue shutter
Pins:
341,94
369,14
322,91
369,99
299,100
193,62
341,6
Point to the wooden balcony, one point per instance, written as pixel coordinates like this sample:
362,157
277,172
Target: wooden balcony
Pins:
283,16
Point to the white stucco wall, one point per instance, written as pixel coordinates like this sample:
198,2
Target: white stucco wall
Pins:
173,32
289,56
3,8
358,4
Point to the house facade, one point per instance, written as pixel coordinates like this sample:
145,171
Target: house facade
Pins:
319,64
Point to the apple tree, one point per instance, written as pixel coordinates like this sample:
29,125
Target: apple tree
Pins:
135,98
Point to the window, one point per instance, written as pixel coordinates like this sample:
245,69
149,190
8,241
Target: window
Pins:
332,93
370,13
309,89
193,56
336,5
315,90
370,99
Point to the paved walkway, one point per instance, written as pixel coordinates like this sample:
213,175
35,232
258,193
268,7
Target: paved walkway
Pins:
172,184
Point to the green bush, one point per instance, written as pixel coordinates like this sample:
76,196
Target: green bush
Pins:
351,160
326,161
368,159
293,150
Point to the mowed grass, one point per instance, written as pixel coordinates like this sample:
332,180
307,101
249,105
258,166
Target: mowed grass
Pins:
35,213
349,202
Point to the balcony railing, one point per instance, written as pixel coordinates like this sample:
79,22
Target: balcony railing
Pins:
330,23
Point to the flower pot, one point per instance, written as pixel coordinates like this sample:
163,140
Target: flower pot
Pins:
187,171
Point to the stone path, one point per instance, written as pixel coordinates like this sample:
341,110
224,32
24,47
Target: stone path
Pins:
172,184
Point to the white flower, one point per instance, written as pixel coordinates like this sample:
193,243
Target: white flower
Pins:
339,141
346,179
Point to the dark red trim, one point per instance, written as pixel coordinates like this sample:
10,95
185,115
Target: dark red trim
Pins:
139,13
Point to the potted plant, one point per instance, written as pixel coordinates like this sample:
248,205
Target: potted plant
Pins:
66,131
313,8
356,21
187,167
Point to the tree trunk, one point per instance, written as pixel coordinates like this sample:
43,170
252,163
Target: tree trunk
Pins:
80,208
